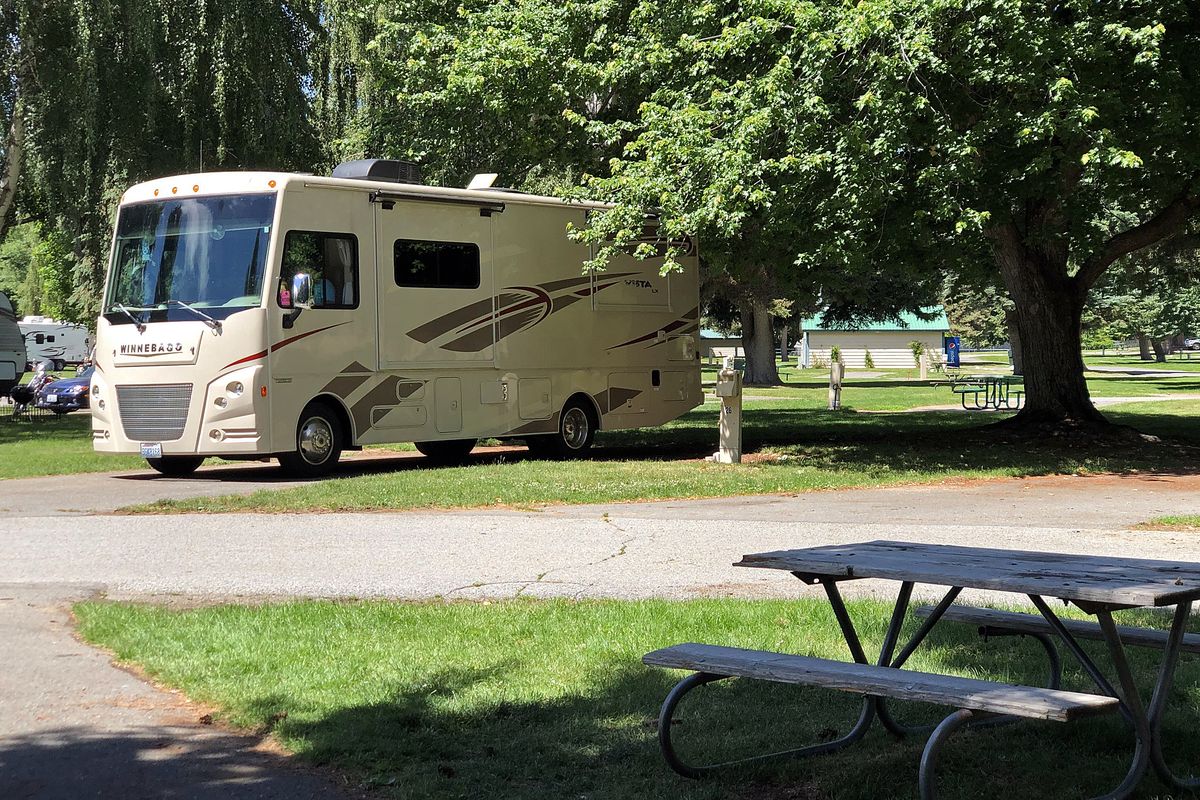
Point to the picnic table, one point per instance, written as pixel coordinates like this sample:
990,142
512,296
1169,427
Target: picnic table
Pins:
1097,585
1000,392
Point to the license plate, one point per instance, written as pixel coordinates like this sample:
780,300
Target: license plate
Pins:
51,398
151,449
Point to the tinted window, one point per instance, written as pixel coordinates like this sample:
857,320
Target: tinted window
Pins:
330,259
444,265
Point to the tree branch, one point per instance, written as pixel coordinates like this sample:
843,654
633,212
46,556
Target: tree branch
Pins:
1170,220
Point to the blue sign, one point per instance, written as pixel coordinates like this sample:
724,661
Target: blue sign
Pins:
952,344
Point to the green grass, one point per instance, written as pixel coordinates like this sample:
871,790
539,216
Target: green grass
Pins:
796,448
1176,522
529,700
1188,361
53,446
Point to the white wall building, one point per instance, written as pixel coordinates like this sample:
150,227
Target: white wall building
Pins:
886,341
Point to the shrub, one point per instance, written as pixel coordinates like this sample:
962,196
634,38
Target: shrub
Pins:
868,362
835,354
819,362
918,348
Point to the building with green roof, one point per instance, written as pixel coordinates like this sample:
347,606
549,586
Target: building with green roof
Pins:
887,341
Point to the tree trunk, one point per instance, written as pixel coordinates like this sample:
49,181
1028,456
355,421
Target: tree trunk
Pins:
1049,312
1014,342
14,154
1160,350
1144,347
759,344
783,342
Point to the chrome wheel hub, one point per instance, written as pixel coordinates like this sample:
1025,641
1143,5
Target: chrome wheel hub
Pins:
575,428
316,440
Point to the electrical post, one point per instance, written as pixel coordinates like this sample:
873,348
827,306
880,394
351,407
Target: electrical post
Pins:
837,371
729,394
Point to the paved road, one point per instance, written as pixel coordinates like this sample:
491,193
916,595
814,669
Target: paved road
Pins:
72,725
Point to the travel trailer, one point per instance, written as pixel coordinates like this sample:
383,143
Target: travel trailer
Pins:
257,315
59,343
12,348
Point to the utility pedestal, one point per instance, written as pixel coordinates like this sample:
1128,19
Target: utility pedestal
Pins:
837,371
729,394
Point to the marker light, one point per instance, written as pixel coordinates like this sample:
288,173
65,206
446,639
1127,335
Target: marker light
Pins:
262,391
174,190
195,187
156,192
271,184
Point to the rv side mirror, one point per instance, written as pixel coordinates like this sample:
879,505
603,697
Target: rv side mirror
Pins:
302,291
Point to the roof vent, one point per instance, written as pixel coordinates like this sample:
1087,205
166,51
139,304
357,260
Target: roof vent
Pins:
379,169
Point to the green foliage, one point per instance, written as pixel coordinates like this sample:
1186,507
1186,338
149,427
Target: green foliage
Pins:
868,360
918,350
835,354
35,272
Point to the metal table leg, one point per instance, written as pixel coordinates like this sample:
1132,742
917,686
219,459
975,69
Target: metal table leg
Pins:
1145,721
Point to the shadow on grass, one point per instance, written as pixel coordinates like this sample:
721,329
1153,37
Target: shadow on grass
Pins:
428,740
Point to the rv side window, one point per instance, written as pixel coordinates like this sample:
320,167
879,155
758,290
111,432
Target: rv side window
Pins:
330,259
49,338
39,338
437,265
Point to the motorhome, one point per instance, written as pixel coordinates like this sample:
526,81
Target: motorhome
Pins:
59,343
12,348
257,315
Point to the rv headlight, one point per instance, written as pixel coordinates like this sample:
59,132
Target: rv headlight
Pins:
220,402
235,388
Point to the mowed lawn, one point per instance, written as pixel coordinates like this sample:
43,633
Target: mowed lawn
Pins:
53,446
527,700
792,447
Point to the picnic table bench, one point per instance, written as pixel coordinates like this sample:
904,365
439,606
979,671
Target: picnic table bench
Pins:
1097,585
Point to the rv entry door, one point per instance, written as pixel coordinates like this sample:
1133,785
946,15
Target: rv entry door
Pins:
436,298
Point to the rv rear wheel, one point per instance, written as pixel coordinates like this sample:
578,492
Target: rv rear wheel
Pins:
318,443
446,452
175,466
576,431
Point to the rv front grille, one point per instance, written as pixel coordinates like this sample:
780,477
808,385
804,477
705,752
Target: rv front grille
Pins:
154,413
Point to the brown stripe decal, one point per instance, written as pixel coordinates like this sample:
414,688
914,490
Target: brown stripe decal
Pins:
514,309
344,385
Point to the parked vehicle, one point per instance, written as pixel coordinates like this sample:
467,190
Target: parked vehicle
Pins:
60,343
26,395
12,348
66,394
300,316
1191,344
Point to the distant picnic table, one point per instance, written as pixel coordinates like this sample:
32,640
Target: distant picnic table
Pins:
999,392
1097,585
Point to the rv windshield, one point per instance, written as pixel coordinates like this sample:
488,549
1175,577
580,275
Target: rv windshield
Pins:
207,252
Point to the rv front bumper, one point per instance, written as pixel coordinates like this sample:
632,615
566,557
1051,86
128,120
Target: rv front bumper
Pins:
224,418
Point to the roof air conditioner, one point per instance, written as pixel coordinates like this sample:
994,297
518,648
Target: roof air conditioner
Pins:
379,169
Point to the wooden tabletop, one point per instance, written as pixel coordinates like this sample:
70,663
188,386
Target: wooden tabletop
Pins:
1095,579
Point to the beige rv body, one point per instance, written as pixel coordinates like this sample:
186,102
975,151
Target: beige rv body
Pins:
408,363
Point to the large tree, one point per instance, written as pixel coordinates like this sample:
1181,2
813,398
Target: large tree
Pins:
890,140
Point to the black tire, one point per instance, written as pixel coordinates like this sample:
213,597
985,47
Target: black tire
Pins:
59,365
319,443
175,466
576,432
452,451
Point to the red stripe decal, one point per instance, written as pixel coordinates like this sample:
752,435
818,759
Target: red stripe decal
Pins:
254,357
278,345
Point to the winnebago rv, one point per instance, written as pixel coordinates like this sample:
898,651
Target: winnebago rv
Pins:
12,348
250,315
60,343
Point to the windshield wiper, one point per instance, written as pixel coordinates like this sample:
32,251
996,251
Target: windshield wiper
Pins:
141,326
215,324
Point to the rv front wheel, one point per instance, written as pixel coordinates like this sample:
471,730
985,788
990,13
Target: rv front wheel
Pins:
318,443
576,431
175,466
